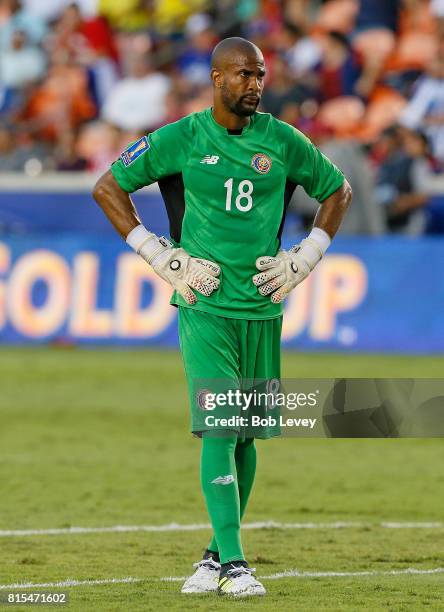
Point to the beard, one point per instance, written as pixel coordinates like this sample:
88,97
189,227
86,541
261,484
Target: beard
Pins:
238,106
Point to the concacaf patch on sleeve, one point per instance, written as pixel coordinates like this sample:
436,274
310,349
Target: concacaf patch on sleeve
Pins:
135,151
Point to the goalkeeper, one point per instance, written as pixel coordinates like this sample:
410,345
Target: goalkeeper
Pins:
226,175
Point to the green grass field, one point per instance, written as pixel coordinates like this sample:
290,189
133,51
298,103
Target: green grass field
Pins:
95,438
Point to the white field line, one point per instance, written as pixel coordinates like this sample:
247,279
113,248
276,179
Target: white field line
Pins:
202,526
298,574
66,583
277,576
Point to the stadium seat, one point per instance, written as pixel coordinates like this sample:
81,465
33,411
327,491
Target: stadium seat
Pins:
383,110
343,115
338,15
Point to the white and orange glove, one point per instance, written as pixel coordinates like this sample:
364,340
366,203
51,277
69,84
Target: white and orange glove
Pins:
279,275
183,272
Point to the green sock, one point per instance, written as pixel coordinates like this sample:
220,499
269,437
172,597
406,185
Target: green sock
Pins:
220,489
245,457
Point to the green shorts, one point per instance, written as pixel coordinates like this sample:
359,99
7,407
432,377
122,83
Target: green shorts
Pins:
222,354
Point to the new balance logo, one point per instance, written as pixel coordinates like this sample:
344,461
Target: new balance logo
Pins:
210,159
223,480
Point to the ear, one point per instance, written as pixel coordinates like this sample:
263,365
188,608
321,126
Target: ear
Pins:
217,78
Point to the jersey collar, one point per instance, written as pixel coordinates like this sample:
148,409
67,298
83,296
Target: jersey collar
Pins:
222,129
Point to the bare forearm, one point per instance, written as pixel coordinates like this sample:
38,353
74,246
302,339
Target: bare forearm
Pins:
331,212
116,204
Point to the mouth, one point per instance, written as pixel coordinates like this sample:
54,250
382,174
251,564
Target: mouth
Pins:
251,99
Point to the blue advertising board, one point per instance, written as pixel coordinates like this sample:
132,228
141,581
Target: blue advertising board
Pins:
80,284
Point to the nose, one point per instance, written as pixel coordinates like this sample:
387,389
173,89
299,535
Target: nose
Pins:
255,85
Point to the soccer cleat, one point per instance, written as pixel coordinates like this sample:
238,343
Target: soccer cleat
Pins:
239,581
205,578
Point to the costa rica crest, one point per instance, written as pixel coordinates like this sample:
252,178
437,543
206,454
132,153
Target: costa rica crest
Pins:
261,163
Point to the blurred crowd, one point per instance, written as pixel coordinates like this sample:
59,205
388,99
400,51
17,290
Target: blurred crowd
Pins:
364,79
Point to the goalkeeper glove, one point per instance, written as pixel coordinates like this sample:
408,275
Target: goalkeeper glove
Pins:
174,265
280,274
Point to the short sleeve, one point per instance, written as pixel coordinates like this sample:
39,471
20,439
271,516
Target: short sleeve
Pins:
154,156
307,166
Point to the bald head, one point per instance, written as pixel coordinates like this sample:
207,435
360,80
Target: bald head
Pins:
237,72
232,50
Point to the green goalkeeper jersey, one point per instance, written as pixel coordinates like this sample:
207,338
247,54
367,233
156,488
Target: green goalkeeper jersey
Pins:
226,194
